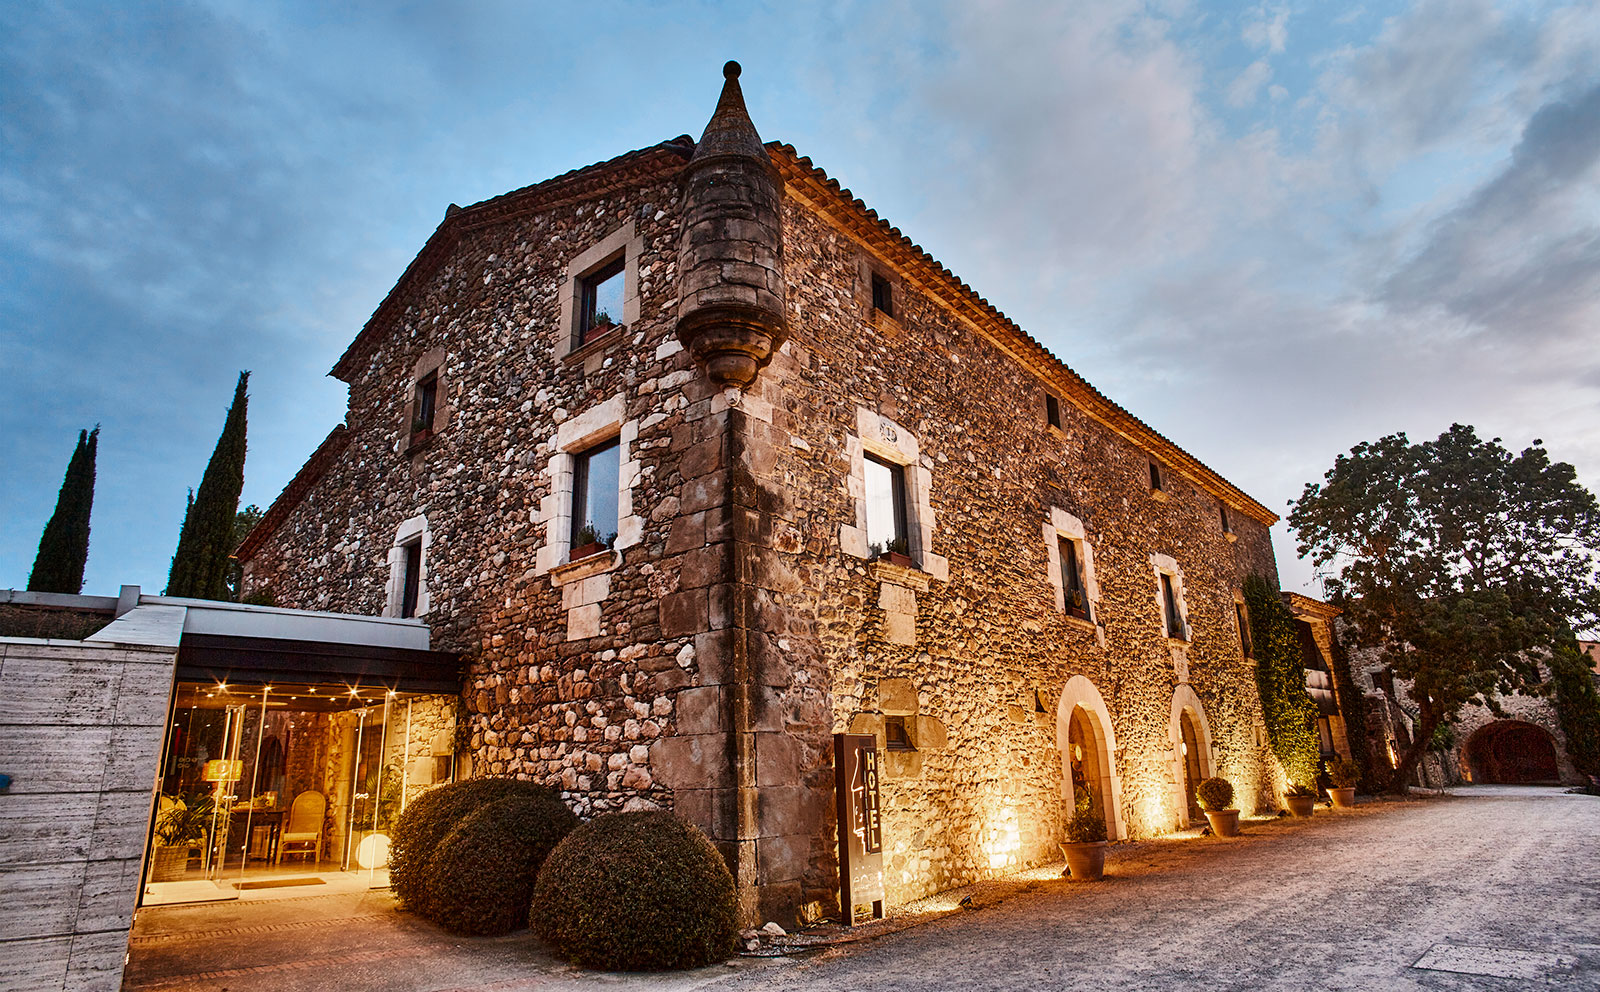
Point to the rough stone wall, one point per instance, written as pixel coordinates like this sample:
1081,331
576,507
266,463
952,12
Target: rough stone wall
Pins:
983,792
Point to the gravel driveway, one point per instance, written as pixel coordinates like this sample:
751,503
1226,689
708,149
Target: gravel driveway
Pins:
1488,888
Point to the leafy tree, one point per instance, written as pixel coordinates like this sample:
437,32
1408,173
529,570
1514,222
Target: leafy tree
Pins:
200,567
64,546
1578,707
243,523
1464,564
1281,681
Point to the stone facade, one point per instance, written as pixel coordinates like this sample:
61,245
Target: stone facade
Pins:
742,616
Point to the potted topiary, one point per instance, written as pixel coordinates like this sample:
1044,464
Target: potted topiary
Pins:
1215,796
179,827
1299,799
1344,774
1085,849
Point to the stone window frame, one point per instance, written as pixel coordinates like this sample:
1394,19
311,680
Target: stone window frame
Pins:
412,531
1166,565
624,243
1052,413
1064,526
891,442
1241,616
430,363
1159,488
1226,519
598,424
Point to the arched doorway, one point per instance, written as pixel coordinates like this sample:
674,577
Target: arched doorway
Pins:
1511,752
1189,734
1087,742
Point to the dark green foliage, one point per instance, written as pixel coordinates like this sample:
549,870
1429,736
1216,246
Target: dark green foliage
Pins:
636,892
1088,823
64,546
480,878
426,821
202,564
1281,681
1214,794
1345,774
1353,707
1462,563
243,523
1577,706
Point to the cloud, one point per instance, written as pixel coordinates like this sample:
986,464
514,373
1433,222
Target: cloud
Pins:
1267,29
1247,85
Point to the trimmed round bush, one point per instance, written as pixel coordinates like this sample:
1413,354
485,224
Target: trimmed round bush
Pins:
426,821
639,891
1214,794
480,878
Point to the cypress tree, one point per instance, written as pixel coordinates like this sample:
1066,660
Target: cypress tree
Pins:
200,565
64,546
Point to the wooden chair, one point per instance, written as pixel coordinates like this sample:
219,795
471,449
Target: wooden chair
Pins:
304,826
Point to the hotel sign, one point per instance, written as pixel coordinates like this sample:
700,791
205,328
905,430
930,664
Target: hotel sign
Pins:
855,772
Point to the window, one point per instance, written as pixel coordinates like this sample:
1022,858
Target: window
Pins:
886,505
1227,526
1244,630
425,403
896,736
1174,616
411,582
1155,476
602,301
594,494
1076,596
882,295
1052,411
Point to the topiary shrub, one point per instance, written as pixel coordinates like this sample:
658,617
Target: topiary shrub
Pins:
426,821
1088,823
480,878
636,892
1214,794
1344,773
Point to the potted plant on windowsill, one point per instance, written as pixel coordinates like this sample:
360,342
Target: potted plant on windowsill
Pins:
1077,605
1299,799
1085,847
1215,796
588,542
599,326
896,552
180,827
1344,774
421,430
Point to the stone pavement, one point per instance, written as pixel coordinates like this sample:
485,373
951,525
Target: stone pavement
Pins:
1490,888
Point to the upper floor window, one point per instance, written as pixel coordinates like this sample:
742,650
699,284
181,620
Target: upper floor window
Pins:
1155,476
602,301
1052,411
896,735
424,403
1172,610
887,529
1227,525
882,295
594,495
411,577
1075,590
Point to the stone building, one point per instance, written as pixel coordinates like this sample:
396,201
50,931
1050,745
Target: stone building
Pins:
698,461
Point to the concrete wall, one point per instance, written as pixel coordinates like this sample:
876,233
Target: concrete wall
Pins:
81,726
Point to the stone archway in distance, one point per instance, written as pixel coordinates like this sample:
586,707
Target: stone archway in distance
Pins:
1511,752
1100,739
1188,759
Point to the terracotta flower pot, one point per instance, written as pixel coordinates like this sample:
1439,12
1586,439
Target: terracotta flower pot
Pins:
1343,798
1086,861
1224,822
585,551
1300,805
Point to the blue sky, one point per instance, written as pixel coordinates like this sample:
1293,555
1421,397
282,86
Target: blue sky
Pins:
1271,230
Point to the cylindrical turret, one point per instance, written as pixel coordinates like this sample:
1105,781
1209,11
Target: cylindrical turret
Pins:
730,276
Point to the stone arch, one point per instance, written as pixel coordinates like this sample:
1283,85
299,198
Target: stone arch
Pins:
1186,701
1080,694
1511,752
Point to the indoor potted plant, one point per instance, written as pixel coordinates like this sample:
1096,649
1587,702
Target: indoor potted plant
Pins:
599,324
1215,796
1344,774
896,552
1085,847
1299,799
586,542
1077,605
179,827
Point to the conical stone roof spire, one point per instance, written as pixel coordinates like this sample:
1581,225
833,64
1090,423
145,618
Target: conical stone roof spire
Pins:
730,274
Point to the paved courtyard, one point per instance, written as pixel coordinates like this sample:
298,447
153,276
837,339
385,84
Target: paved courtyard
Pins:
1489,888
